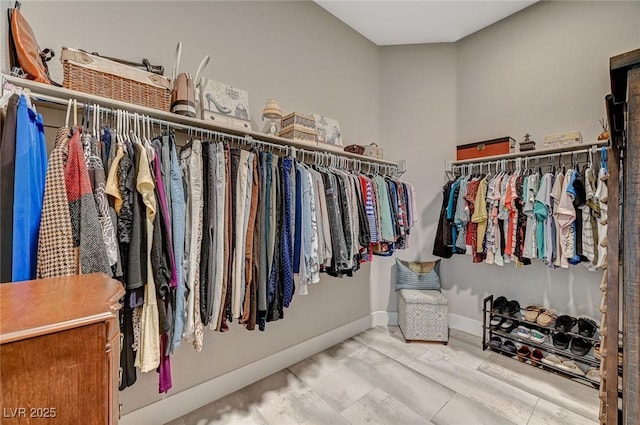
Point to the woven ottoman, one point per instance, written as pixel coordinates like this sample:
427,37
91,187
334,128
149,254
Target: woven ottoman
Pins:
423,315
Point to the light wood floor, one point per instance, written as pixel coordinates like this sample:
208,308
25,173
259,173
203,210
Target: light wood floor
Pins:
377,378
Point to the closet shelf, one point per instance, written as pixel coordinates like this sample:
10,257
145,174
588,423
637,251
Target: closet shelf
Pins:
45,90
533,153
526,323
587,359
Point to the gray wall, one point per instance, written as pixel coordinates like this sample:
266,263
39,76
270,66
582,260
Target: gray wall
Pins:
543,70
292,51
418,117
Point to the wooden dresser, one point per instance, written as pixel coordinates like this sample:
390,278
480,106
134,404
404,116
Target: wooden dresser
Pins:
60,351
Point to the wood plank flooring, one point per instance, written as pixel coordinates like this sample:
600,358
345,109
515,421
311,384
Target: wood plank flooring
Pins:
376,378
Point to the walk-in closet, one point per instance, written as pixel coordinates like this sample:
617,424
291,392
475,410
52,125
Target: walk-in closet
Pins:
319,212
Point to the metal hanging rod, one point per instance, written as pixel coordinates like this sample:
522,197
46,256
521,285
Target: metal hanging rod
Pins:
528,156
60,97
545,153
501,163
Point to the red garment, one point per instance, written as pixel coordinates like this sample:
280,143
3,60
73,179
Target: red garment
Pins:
472,228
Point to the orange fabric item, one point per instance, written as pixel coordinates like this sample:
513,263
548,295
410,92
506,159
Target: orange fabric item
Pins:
27,48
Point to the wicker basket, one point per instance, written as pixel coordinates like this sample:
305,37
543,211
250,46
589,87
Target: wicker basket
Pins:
102,77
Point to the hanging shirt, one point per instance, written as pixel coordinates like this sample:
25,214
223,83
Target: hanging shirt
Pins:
480,214
56,254
7,180
565,216
442,246
490,233
602,196
148,355
387,232
30,172
530,245
494,254
541,208
577,198
588,229
461,217
556,194
98,181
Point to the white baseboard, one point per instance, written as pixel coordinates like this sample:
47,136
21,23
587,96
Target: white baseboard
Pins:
461,323
384,318
179,404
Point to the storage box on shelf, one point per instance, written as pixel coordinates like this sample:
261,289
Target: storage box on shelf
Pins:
298,134
299,120
584,362
560,140
102,77
499,146
372,150
299,127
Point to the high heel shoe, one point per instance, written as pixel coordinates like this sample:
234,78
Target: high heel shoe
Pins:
221,108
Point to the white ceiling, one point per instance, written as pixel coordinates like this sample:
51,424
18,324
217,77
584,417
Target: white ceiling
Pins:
388,22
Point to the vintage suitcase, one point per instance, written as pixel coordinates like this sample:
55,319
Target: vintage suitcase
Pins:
499,146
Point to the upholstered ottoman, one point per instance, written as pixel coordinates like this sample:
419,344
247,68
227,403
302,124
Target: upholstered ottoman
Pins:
423,315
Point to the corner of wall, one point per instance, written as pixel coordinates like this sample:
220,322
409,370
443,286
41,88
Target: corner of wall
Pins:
4,41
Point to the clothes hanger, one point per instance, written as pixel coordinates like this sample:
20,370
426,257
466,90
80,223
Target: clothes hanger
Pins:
66,119
75,114
604,159
96,120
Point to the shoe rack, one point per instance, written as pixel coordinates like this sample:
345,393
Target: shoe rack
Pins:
584,362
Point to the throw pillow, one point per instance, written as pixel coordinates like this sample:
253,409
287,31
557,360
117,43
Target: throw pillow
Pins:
416,275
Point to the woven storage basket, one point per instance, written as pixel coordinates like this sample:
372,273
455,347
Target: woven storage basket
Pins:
102,77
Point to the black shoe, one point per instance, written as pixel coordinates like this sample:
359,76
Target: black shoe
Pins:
495,342
565,323
499,304
509,348
561,340
580,346
512,308
586,327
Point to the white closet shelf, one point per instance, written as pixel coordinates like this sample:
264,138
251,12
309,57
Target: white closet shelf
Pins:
46,90
533,153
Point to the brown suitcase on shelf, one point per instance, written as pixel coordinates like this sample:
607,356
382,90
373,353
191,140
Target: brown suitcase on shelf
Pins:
499,146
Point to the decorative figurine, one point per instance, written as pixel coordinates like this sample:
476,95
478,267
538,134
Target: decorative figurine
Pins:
605,130
273,113
527,144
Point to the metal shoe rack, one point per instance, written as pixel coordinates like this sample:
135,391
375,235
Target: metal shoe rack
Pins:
547,347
